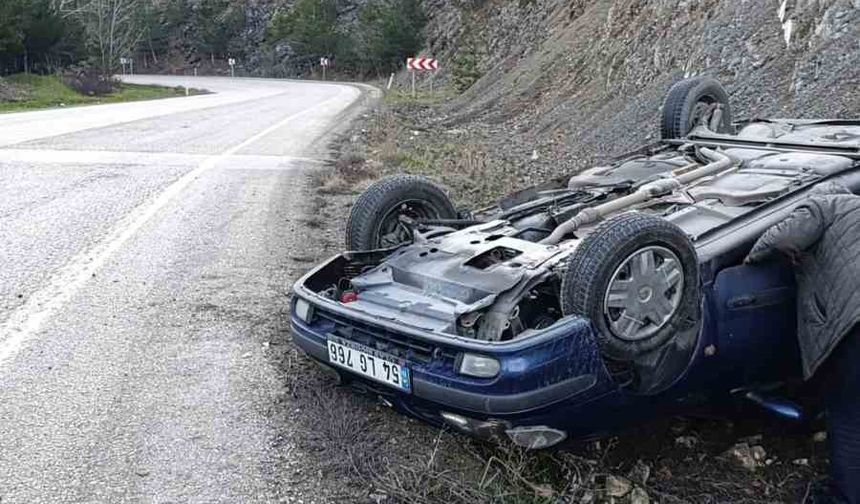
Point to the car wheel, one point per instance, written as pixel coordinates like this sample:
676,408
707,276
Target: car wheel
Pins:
374,221
694,101
636,278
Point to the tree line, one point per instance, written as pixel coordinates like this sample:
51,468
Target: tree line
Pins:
384,34
44,36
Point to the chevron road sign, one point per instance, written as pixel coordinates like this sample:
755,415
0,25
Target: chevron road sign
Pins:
422,64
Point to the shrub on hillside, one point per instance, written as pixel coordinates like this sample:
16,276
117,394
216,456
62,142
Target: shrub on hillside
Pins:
465,71
388,32
89,82
10,93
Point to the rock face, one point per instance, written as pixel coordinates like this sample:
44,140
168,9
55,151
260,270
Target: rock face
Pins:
575,80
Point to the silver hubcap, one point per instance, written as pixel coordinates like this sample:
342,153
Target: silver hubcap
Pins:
644,293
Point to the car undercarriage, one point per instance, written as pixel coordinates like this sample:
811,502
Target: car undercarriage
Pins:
636,249
450,281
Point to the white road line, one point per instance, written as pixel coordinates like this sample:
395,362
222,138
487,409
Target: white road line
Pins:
26,321
62,157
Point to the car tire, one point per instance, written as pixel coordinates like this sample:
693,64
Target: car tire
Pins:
661,294
685,103
374,219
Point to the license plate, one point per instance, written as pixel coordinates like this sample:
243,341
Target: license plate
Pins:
367,362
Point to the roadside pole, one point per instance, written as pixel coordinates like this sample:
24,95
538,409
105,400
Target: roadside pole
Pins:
324,63
127,64
413,83
232,63
390,81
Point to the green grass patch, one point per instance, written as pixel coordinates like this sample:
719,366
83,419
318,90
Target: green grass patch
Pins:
32,92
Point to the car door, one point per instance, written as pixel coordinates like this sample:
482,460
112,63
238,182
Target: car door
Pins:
756,323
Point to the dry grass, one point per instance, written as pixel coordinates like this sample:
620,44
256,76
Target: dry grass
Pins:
348,172
392,144
467,170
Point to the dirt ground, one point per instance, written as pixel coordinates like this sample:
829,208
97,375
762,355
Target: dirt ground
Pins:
355,449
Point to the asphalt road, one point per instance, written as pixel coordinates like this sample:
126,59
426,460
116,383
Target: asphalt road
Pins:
140,268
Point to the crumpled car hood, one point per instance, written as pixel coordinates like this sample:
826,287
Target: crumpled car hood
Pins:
431,283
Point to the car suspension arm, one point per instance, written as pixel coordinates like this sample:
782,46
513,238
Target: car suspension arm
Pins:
719,162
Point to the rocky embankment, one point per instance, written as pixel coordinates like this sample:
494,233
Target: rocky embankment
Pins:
565,82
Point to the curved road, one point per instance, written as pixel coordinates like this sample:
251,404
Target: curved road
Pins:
142,247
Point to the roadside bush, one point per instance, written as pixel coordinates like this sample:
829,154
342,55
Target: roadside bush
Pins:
465,71
89,82
10,93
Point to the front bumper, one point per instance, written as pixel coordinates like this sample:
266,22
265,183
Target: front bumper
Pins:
445,393
541,376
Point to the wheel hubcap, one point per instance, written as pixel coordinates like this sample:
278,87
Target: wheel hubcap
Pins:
643,293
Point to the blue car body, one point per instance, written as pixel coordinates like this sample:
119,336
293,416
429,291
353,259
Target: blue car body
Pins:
557,382
559,379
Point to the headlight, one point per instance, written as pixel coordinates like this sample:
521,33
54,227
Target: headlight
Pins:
536,437
479,366
303,310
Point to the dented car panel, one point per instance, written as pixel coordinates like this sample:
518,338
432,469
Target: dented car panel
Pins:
557,378
476,315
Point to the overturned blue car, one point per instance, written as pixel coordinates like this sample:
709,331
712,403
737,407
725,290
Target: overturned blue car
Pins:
588,304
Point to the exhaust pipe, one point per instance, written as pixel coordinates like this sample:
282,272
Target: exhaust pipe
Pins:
719,162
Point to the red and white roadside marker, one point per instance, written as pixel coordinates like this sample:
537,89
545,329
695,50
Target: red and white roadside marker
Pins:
422,64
